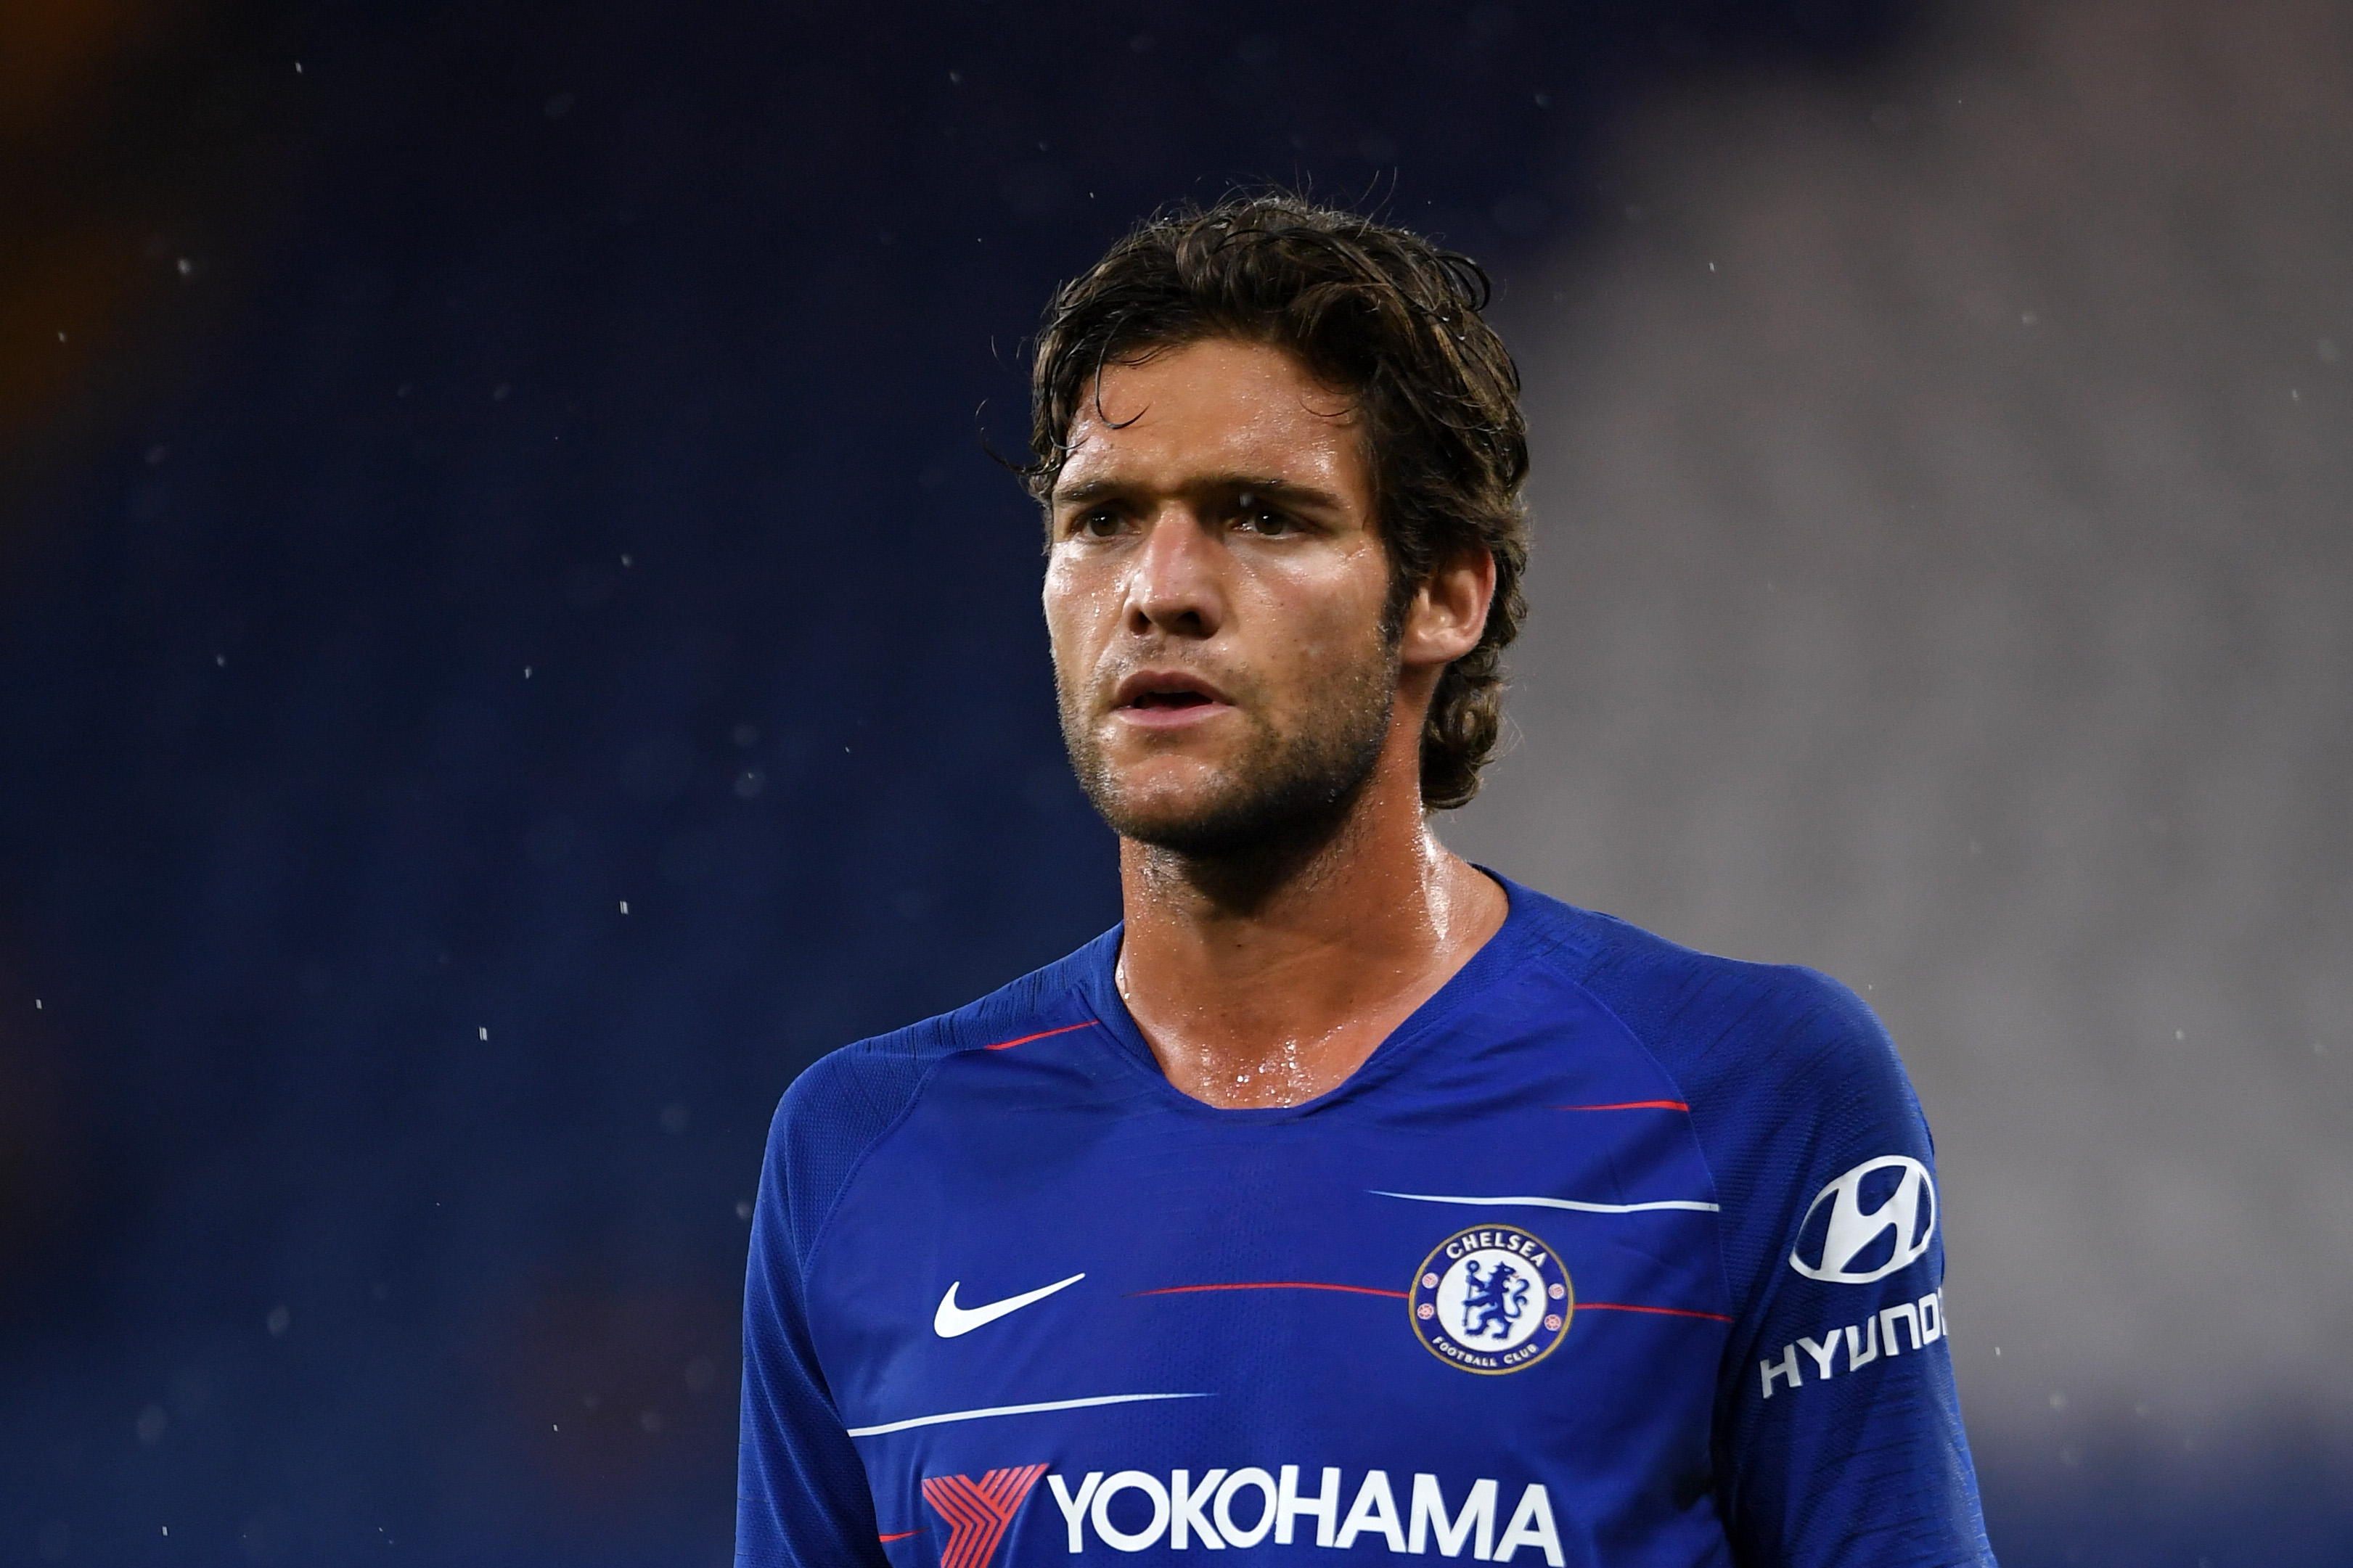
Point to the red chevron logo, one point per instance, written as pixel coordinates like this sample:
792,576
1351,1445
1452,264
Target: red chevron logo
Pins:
977,1512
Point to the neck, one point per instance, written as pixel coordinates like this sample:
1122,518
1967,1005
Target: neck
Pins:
1268,977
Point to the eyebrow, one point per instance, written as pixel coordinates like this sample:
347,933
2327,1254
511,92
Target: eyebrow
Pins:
1088,491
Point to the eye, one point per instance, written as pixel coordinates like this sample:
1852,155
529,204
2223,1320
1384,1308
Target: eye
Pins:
1101,523
1265,521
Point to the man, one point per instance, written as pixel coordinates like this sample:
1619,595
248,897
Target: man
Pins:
1346,1198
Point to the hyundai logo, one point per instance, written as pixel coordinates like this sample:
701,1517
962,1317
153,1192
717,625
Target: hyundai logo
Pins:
1881,1215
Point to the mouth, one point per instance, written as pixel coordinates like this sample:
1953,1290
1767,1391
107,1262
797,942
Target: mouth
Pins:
1159,698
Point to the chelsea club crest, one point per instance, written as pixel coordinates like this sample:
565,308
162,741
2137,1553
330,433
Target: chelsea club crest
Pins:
1492,1299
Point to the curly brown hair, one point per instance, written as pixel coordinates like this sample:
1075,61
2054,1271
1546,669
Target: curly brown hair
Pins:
1377,312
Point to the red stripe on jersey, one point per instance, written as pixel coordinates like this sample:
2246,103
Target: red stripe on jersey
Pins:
1662,1311
1041,1035
903,1535
1630,1105
1271,1285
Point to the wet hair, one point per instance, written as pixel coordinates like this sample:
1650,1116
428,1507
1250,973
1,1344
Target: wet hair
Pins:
1376,312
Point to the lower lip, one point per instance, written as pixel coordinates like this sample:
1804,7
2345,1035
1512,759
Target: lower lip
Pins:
1172,718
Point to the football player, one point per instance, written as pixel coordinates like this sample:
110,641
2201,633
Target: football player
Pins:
1346,1200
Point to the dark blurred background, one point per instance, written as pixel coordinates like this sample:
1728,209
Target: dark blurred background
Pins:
512,643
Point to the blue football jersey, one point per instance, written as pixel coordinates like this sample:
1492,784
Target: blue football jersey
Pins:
1614,1253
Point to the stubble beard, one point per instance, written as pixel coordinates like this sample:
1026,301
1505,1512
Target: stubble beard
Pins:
1284,795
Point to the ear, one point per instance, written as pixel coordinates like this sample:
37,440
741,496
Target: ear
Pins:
1447,613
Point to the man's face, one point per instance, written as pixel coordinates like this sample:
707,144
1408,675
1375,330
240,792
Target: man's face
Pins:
1215,591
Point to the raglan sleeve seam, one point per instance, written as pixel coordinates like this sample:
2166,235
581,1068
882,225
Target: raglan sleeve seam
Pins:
1683,1093
823,1230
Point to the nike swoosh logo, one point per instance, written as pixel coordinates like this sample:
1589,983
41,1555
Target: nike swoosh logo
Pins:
951,1320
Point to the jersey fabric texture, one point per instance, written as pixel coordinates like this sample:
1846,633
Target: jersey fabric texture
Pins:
1614,1253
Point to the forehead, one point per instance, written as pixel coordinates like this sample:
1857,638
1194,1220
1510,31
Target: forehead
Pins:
1217,406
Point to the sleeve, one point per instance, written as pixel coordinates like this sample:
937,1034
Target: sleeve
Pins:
801,1494
1838,1438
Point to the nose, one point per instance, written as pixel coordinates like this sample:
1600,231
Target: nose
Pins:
1174,583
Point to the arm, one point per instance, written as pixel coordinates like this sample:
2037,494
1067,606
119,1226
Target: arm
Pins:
801,1495
1839,1432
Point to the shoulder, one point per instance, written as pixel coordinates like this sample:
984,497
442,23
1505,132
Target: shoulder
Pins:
1733,1033
1789,1078
844,1103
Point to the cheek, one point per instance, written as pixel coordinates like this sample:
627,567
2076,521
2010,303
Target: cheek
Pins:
1074,611
1330,619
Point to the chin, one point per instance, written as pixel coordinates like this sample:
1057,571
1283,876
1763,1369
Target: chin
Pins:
1269,792
1161,810
1233,819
